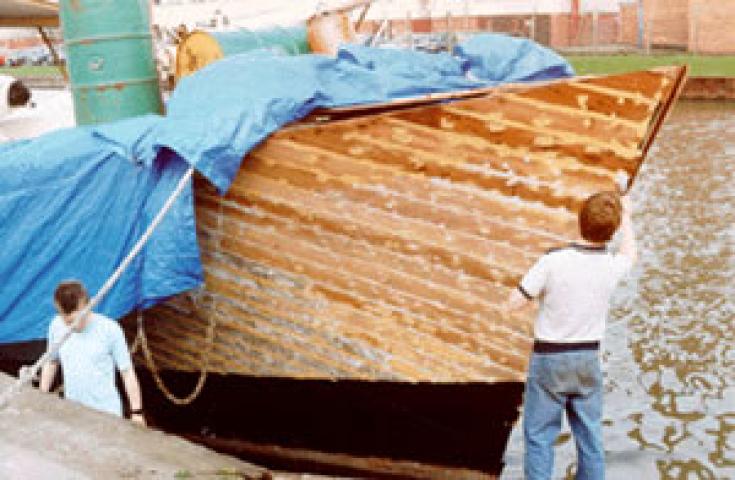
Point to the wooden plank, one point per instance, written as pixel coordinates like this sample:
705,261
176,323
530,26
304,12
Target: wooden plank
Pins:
29,21
28,13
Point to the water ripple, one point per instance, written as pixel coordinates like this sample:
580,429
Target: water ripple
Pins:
669,354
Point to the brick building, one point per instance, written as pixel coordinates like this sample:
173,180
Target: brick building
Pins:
12,38
698,26
666,23
559,23
711,26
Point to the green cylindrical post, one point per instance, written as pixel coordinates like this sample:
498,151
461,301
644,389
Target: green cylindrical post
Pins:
109,51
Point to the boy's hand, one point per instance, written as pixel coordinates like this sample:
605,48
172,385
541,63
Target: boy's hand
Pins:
138,418
627,205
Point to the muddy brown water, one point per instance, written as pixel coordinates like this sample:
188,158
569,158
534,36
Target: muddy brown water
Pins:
669,352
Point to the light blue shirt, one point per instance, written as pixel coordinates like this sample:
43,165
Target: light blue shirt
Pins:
88,360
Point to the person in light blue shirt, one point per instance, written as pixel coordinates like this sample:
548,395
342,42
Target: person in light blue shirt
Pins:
89,357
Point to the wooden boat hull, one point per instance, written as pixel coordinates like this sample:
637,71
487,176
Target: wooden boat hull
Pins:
377,243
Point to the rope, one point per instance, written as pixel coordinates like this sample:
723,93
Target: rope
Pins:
142,340
27,374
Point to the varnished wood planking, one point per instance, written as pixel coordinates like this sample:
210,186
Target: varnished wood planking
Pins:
382,246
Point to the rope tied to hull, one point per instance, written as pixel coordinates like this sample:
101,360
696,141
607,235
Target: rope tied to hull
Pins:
27,374
141,340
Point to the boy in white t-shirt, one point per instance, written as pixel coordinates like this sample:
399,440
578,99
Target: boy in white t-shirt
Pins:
90,356
573,285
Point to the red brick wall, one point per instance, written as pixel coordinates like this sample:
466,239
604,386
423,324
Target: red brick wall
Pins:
629,23
26,42
702,26
400,26
667,22
712,26
568,31
560,30
516,25
422,25
608,26
368,27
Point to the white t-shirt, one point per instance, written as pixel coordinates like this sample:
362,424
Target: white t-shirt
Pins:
88,360
574,285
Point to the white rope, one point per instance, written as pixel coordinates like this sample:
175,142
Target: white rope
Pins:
27,374
141,340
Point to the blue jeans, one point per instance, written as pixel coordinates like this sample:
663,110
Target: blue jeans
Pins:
570,381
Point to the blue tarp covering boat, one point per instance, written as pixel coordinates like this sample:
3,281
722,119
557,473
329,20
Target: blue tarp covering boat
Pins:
73,202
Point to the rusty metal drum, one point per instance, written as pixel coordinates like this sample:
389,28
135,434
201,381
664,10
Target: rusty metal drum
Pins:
110,59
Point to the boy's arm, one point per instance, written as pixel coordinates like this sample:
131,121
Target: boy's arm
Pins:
627,243
51,367
530,286
132,390
48,374
121,356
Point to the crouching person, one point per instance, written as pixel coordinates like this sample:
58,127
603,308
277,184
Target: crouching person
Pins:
90,355
573,285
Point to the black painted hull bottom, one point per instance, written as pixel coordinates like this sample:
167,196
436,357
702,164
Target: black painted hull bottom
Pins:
453,425
457,425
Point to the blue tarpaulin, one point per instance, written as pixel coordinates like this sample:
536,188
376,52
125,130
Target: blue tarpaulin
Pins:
74,202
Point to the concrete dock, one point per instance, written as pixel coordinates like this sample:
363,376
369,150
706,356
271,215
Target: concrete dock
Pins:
45,437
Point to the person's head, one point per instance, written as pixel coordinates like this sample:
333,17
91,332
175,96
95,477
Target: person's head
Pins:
70,297
600,217
18,94
13,94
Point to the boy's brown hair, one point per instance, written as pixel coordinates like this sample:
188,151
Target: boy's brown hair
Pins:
600,217
69,294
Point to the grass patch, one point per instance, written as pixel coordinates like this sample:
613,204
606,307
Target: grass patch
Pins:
700,66
31,71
